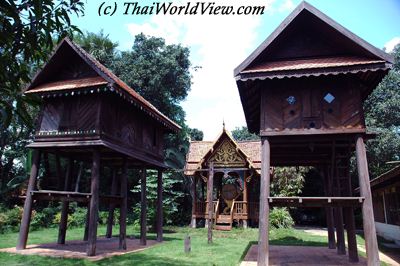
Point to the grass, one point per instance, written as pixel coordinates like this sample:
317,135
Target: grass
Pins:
228,248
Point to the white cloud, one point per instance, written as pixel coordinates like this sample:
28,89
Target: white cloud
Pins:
218,44
286,5
390,45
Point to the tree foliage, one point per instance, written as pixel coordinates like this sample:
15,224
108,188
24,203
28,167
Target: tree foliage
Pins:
242,133
196,134
27,30
382,114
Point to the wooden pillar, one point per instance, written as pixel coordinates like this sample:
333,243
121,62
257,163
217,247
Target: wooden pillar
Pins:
94,204
329,210
341,245
62,229
263,245
124,204
371,243
245,199
351,233
143,210
110,218
159,206
194,199
60,177
210,184
26,216
86,233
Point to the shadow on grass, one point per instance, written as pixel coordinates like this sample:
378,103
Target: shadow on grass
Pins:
294,241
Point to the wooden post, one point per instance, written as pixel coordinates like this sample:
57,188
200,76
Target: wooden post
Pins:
210,201
351,233
245,199
341,245
160,217
187,244
329,210
62,229
143,210
59,172
26,217
194,199
263,245
94,204
371,242
86,233
124,204
110,218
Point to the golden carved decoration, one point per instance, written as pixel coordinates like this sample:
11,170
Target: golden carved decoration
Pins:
227,155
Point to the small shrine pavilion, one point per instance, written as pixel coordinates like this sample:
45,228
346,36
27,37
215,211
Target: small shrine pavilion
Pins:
88,115
303,91
235,194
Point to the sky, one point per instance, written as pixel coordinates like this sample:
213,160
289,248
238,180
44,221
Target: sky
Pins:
218,44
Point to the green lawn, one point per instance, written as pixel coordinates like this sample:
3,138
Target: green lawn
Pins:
228,248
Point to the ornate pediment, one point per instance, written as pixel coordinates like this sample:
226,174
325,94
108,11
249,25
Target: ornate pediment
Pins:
226,155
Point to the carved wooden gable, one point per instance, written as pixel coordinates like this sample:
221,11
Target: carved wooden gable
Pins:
227,155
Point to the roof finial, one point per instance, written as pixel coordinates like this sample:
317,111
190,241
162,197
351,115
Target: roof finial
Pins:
223,123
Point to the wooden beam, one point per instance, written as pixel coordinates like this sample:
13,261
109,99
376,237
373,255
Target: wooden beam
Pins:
124,205
26,216
371,242
159,206
94,204
263,245
62,229
110,218
210,201
143,210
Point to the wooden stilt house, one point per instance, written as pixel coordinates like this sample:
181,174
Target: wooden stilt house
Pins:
89,115
303,90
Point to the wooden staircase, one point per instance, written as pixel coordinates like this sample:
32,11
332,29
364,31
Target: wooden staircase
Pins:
224,222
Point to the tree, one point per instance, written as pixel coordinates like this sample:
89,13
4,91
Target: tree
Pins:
196,134
158,72
243,133
27,30
382,114
99,45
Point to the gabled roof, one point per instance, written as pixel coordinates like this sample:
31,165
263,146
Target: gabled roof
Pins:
41,83
200,151
305,8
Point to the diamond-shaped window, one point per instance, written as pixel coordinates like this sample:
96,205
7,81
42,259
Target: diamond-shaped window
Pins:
329,98
291,100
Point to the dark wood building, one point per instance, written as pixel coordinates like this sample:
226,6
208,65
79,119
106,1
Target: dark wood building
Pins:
236,180
89,115
386,201
303,90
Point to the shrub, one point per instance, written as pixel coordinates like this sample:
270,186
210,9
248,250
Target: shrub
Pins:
280,218
10,218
